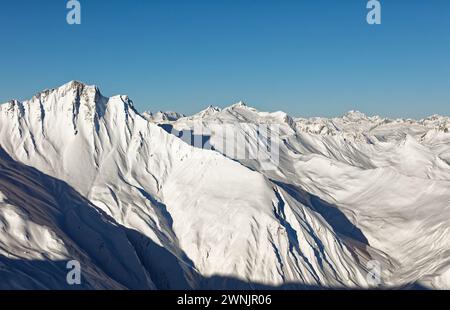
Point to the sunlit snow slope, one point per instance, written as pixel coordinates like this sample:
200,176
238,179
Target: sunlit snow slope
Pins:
85,177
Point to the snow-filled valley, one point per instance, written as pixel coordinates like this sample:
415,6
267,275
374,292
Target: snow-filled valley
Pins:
88,178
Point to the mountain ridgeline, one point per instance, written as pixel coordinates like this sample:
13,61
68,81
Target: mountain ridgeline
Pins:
88,178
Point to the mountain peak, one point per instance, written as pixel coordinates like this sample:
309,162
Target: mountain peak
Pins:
75,87
160,116
79,87
74,84
354,115
240,104
210,110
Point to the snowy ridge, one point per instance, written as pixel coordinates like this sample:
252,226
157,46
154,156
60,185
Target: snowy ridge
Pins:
160,117
345,191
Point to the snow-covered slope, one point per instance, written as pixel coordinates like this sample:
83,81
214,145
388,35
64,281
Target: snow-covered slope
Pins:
45,223
341,193
390,178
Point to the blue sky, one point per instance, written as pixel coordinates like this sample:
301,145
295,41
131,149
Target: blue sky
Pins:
308,58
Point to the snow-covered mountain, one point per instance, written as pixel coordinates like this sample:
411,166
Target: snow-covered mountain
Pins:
161,117
85,177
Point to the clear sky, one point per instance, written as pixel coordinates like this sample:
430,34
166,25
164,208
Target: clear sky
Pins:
308,58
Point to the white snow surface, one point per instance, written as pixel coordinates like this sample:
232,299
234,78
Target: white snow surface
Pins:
168,215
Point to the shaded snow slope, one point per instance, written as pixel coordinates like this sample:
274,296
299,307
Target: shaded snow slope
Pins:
45,224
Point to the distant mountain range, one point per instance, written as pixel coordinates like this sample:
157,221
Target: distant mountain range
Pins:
265,200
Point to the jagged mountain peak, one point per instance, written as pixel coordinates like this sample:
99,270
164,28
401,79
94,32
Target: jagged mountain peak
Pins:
71,107
74,84
210,110
73,87
240,106
73,93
